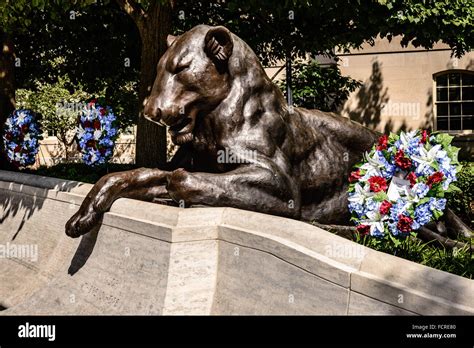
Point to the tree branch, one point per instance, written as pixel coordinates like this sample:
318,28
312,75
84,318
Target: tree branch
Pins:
133,9
343,231
458,226
427,235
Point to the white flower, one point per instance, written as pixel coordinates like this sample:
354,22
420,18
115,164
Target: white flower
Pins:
406,137
15,156
80,132
97,134
93,157
373,165
426,158
360,194
21,117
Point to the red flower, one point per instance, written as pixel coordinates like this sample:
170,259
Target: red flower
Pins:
402,161
9,136
434,179
102,111
412,178
91,143
96,124
24,128
424,135
385,207
363,229
92,102
354,176
404,223
377,183
87,124
17,148
383,142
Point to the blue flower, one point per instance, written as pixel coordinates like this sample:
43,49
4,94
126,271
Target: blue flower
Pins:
376,232
420,189
357,208
423,214
437,203
370,205
389,169
423,170
397,209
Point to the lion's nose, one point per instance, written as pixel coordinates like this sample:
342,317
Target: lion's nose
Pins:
152,112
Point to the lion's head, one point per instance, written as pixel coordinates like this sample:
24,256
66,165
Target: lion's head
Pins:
192,78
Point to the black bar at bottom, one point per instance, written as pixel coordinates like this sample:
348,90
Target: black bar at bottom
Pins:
289,330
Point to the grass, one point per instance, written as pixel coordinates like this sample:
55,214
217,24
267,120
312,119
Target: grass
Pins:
458,261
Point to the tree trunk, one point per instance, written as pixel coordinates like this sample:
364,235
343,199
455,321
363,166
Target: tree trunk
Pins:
151,138
7,90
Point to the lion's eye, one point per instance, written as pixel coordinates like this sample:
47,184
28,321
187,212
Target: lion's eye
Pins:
180,68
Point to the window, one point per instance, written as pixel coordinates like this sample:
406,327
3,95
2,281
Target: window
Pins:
455,101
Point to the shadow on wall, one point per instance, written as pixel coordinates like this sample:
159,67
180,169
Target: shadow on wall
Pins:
370,100
428,121
470,66
25,203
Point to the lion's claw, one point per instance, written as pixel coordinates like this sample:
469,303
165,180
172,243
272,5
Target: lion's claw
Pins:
79,224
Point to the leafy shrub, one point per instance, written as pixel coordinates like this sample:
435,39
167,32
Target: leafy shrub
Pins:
462,201
57,107
322,88
457,260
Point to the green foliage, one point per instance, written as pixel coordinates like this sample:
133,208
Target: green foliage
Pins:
462,201
52,103
422,23
315,87
96,46
17,14
456,261
275,28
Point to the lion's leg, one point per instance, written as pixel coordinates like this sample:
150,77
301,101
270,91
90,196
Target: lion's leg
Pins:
143,183
247,187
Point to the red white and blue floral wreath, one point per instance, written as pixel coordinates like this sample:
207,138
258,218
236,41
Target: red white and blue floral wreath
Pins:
400,184
96,133
21,135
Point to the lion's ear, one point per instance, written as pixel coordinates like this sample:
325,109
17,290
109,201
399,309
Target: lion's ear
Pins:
218,43
170,39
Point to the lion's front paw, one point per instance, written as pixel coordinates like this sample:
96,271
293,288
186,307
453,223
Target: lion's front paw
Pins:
81,223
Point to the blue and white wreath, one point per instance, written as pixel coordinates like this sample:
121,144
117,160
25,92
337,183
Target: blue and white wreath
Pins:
21,135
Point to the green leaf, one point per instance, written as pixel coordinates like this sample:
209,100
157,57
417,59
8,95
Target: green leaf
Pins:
394,240
435,165
444,139
454,188
437,214
423,200
453,152
380,197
